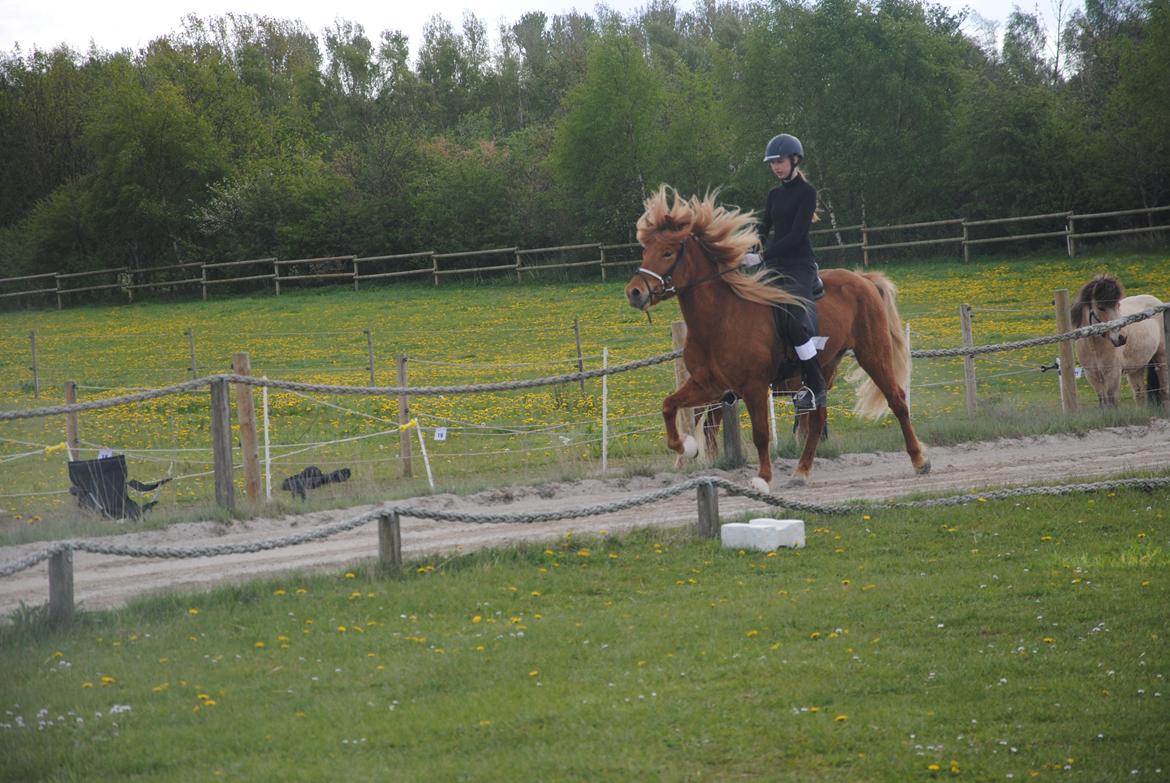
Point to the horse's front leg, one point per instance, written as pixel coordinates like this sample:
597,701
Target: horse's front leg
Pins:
755,399
689,395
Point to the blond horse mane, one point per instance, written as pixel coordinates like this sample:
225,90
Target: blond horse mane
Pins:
726,234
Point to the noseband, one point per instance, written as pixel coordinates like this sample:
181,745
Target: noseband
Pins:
665,281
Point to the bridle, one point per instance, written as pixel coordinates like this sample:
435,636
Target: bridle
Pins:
665,281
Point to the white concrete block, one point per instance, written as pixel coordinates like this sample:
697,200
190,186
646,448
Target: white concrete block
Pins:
763,535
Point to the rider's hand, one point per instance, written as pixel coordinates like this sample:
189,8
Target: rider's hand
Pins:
752,259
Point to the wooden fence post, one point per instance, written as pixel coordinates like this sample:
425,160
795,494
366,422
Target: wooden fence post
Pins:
708,510
732,442
61,587
403,418
1068,361
246,413
968,360
370,351
221,445
36,371
389,542
72,435
1070,230
678,339
864,245
191,345
966,247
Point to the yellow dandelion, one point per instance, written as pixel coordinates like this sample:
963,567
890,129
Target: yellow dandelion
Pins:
583,552
259,645
752,634
279,591
87,684
194,610
477,619
108,680
841,718
534,673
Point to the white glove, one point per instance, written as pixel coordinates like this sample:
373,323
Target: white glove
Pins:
752,259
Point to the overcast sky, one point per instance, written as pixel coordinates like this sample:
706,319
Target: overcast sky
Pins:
118,24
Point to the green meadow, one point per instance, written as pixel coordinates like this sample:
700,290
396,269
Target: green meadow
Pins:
479,332
1007,640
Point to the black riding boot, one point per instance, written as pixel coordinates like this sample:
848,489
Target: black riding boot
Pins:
813,395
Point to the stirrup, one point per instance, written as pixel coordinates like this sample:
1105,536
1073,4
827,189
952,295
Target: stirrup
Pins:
804,401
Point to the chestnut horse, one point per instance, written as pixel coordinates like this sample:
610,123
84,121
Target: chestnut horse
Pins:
1138,351
693,249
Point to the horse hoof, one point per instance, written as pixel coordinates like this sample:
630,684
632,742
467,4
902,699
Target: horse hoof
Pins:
924,468
796,481
690,447
759,485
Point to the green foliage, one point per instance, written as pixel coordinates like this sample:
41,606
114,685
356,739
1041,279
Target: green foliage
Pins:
245,135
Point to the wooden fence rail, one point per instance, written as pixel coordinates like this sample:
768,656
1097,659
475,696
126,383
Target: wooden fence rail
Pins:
956,231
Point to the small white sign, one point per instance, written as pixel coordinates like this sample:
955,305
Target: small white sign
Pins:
440,433
1079,372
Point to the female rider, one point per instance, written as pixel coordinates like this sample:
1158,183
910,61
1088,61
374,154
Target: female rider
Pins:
788,213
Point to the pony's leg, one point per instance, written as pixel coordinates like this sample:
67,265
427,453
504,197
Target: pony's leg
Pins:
812,424
1163,373
755,399
689,395
1137,384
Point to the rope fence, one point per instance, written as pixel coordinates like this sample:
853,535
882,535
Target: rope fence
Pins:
60,554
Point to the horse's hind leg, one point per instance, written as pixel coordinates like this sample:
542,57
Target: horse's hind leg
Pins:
813,424
896,398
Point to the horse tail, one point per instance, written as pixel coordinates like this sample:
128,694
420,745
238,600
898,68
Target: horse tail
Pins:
871,402
1154,390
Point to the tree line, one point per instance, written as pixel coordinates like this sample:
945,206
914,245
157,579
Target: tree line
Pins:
244,136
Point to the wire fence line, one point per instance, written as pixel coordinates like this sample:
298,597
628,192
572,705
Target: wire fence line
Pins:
418,512
387,391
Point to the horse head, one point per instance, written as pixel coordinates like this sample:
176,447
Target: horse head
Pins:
1100,301
674,229
663,230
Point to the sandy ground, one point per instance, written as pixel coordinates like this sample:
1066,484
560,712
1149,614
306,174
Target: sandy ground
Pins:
102,581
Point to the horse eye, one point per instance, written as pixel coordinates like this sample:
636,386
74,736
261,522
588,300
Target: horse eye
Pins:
668,254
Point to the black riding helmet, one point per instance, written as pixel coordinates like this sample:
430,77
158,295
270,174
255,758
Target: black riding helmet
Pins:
783,146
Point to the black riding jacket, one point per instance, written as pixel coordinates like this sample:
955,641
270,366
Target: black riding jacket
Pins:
787,216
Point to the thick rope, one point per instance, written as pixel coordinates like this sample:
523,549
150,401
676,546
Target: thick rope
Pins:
326,531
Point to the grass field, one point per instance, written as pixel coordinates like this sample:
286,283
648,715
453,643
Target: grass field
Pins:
478,333
1002,641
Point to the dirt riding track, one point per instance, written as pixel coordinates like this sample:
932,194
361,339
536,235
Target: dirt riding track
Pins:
102,581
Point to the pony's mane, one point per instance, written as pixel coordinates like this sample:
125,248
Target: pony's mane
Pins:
1104,289
726,235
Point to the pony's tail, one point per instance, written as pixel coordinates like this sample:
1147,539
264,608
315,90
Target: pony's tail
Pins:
1154,390
871,403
